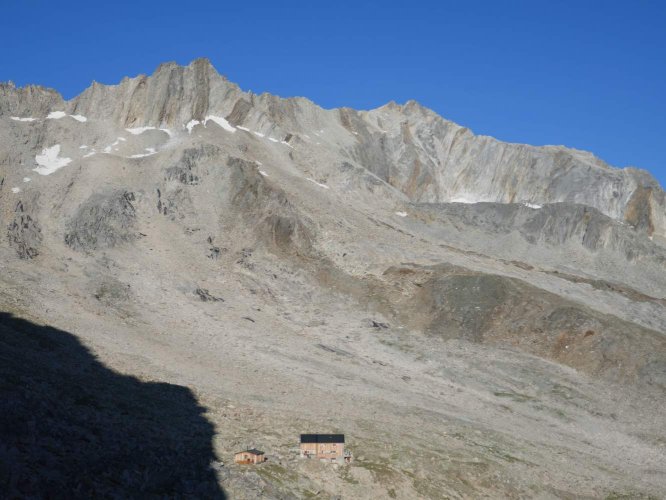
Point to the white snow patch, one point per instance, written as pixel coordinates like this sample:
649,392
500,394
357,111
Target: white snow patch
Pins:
16,190
242,128
139,130
401,214
88,155
79,118
287,144
83,147
273,139
167,132
221,122
150,151
306,135
191,124
26,179
56,115
49,161
19,119
263,173
532,205
259,134
317,183
113,145
463,199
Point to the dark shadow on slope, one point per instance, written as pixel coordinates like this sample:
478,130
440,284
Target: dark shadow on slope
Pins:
72,428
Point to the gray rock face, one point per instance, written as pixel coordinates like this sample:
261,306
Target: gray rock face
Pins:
554,225
24,233
103,221
28,101
410,147
173,96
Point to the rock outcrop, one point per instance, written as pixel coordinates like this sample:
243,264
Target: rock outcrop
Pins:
103,221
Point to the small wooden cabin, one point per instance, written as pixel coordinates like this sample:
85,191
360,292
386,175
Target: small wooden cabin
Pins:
323,446
252,456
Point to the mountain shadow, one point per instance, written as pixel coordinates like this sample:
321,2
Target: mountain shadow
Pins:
72,428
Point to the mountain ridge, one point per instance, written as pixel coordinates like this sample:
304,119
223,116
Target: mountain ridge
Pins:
457,166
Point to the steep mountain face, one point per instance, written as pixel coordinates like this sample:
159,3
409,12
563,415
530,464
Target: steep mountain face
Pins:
440,297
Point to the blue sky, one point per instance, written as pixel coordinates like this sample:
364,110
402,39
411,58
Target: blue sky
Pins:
586,74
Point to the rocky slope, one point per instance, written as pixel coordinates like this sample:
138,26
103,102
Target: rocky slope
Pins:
479,318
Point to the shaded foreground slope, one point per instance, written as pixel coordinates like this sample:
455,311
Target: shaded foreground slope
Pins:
72,428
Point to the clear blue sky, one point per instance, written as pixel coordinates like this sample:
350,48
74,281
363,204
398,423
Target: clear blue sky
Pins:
586,74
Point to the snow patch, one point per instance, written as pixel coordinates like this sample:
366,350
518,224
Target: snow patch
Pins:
242,128
49,161
150,151
56,115
88,155
26,179
113,145
167,132
263,173
532,205
79,118
139,130
16,190
287,144
221,122
83,147
401,214
463,199
259,134
273,139
317,183
191,124
19,119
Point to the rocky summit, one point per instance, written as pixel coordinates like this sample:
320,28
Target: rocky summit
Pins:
189,270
